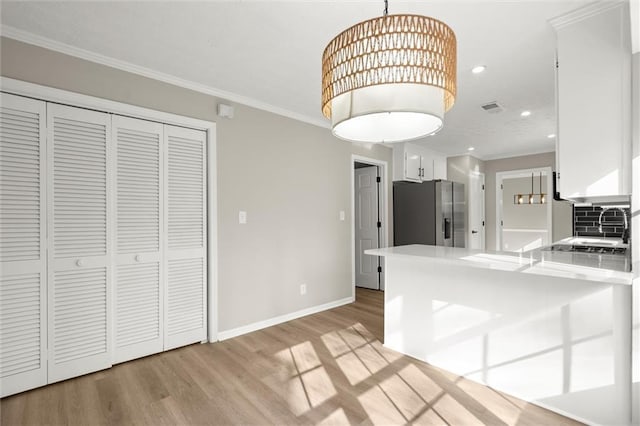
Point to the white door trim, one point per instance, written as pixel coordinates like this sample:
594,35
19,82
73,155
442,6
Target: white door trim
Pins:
500,176
50,94
384,202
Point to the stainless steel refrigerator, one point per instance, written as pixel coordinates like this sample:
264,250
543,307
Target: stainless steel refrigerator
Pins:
431,212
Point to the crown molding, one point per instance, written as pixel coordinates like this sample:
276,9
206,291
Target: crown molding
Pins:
584,12
56,46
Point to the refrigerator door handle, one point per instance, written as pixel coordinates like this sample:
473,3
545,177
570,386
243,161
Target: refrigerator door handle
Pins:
446,228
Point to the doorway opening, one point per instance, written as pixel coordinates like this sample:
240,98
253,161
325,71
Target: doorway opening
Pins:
522,226
369,195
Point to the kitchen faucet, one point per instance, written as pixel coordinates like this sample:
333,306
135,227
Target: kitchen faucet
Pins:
625,233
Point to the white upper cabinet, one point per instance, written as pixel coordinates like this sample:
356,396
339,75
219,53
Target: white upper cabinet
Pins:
594,102
416,164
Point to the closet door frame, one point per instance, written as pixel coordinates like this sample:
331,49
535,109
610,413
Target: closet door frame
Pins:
49,94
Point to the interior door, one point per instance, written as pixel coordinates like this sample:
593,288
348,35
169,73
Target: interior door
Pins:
476,211
138,289
23,333
186,229
367,232
79,196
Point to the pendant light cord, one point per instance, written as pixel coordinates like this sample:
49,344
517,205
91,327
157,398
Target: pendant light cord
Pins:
531,183
386,7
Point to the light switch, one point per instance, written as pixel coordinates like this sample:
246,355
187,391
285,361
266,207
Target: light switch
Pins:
242,217
342,215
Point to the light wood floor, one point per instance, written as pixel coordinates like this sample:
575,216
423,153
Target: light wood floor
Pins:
328,368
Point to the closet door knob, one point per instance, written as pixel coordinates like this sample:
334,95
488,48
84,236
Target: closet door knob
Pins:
138,258
79,262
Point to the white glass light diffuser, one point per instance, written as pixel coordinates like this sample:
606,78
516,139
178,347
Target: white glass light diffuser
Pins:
388,113
389,79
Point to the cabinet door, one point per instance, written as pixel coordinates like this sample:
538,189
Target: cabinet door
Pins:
22,245
427,168
78,181
440,168
412,166
186,229
593,146
138,295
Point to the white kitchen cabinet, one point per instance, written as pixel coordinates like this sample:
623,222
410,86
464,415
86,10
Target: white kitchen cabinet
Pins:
594,103
417,164
440,167
412,166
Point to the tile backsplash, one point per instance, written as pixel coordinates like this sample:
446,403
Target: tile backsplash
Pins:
585,222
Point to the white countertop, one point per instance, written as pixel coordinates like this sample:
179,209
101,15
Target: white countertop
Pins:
554,264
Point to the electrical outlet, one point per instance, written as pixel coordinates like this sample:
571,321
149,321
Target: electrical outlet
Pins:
242,217
342,215
303,289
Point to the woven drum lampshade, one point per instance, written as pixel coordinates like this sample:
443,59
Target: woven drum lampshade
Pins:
389,79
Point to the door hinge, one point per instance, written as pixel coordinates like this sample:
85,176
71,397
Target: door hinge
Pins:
378,179
379,268
501,186
501,223
483,223
483,187
379,224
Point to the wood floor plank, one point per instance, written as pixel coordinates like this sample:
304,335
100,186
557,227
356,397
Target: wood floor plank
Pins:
330,368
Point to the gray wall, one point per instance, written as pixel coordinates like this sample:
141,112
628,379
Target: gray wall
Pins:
292,179
525,216
562,218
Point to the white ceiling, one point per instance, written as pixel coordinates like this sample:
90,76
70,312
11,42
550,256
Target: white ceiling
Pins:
268,53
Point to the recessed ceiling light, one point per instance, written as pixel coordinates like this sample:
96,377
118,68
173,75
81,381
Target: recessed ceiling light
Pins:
478,69
525,113
551,136
470,148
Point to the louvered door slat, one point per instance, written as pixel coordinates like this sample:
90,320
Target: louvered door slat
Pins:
23,336
80,232
138,313
185,318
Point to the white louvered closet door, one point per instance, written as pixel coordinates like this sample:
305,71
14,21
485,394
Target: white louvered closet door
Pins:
186,244
138,295
79,241
23,333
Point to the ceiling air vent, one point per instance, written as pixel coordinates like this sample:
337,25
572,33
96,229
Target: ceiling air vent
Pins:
493,107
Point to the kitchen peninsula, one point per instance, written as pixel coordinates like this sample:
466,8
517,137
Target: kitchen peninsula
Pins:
534,325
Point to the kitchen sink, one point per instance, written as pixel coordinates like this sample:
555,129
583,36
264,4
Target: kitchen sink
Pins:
593,242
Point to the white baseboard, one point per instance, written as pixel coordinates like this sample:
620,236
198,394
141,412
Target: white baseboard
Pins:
238,331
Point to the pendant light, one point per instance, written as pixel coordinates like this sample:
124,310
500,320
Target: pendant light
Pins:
533,198
389,79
